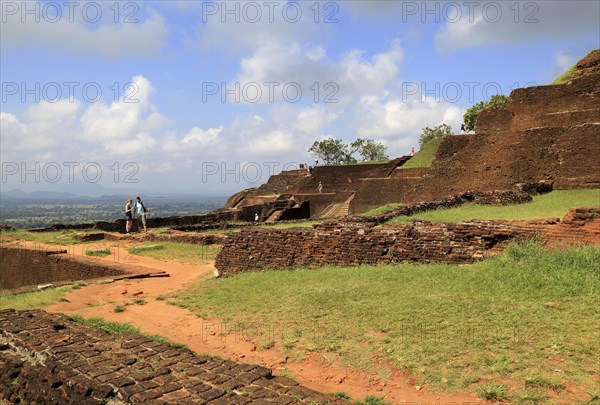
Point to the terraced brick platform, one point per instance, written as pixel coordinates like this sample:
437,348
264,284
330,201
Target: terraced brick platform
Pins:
49,358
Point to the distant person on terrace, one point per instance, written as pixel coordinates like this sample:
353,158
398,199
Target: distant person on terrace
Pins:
128,216
140,211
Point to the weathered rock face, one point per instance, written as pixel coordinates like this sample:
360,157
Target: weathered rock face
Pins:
47,358
354,244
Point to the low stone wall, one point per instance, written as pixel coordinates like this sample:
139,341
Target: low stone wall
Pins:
20,267
48,358
351,244
354,244
213,219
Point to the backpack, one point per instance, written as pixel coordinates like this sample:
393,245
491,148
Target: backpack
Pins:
143,208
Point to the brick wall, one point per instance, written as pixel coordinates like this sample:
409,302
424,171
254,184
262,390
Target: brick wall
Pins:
48,358
353,244
21,267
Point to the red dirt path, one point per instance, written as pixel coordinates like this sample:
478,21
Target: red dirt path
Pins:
204,336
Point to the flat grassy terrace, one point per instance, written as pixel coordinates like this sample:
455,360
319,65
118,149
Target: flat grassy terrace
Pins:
174,251
518,327
552,205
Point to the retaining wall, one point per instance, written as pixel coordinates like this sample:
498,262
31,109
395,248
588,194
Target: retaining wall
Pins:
354,244
20,267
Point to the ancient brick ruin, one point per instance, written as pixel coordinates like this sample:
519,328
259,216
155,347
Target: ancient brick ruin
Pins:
48,358
353,244
21,267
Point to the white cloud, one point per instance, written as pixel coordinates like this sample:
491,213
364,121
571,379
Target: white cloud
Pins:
508,22
564,61
260,23
138,146
123,117
126,39
318,78
404,119
57,111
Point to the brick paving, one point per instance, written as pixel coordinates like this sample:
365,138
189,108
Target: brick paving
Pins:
49,358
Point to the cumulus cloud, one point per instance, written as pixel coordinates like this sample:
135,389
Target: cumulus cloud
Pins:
123,117
305,67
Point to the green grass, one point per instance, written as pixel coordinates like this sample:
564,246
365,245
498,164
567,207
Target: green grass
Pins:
440,322
174,251
424,157
98,252
54,237
287,225
120,328
380,210
492,391
373,400
36,299
554,204
567,76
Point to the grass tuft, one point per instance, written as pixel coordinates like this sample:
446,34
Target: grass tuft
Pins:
373,400
492,392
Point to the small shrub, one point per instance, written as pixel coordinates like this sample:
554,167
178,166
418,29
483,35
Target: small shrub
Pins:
341,395
373,400
119,308
492,391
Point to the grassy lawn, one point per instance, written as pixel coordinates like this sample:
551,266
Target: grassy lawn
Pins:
424,157
517,325
174,251
554,204
54,237
36,299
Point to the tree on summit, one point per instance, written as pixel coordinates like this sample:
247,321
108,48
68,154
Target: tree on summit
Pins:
369,150
470,118
335,152
439,131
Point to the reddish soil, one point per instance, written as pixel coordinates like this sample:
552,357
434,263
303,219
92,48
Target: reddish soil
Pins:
207,336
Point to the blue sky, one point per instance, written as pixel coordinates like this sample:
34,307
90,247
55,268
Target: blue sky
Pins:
383,70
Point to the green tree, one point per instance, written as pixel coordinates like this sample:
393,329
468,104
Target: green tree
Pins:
331,151
439,131
470,118
369,150
334,151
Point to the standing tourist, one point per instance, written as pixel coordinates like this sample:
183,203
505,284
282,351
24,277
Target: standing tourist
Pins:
128,216
140,212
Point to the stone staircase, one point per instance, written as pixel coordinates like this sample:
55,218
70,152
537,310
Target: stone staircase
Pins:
338,210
